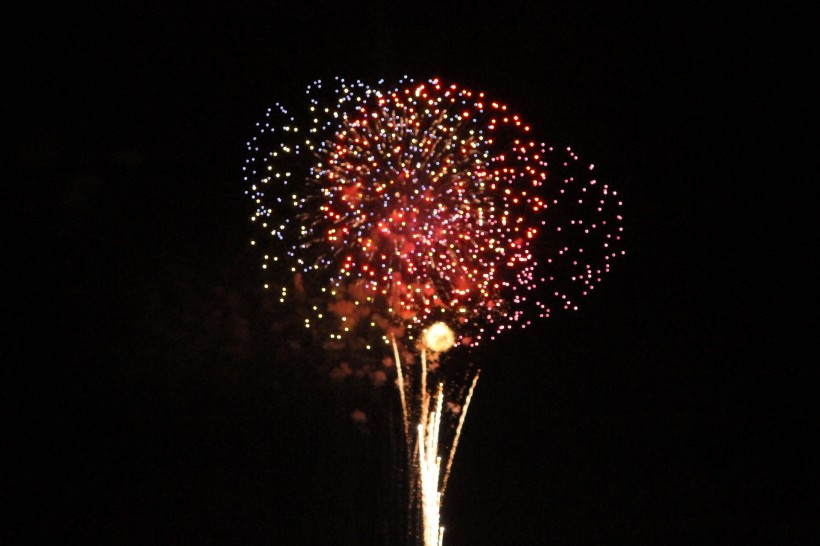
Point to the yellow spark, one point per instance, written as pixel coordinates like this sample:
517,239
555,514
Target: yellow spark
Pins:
439,337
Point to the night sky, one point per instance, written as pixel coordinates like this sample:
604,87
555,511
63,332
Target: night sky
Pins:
154,396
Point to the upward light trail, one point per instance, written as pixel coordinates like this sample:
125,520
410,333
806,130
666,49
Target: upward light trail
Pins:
428,479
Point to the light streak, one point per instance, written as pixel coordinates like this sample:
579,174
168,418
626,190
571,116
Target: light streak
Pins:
400,384
429,464
425,459
461,419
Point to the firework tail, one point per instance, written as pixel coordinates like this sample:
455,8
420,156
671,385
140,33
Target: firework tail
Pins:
400,381
427,482
461,419
429,471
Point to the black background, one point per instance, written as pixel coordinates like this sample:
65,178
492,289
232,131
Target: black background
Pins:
145,402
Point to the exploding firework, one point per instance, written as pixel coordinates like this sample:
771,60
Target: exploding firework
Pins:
426,203
429,216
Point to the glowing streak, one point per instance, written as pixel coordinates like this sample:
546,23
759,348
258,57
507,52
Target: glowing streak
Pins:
458,433
425,456
429,472
400,381
425,396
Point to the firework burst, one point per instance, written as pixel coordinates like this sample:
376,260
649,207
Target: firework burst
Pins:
427,202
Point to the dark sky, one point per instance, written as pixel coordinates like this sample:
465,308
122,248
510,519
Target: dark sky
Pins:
150,401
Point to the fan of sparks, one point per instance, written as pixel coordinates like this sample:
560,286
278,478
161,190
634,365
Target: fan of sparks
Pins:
427,202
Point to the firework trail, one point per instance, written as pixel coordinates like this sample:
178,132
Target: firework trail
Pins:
424,215
427,484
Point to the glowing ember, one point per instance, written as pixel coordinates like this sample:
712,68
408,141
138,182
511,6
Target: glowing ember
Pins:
439,337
